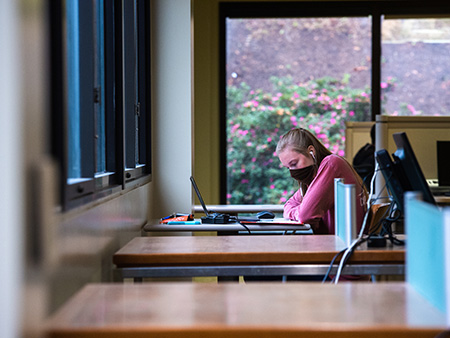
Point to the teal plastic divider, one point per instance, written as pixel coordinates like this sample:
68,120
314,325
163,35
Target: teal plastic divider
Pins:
345,211
428,251
447,261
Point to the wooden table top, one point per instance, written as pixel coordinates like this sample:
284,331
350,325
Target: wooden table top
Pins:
246,310
155,226
223,250
443,200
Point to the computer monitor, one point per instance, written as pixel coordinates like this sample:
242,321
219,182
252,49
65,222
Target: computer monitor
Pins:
443,162
394,182
406,161
403,173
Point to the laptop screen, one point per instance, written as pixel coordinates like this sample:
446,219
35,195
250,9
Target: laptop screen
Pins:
197,191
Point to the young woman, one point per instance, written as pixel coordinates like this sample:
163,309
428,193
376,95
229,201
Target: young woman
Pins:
315,168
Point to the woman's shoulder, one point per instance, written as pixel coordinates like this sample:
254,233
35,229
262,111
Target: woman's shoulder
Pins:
333,159
334,163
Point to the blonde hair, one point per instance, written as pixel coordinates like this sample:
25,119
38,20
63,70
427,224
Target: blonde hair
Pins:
299,140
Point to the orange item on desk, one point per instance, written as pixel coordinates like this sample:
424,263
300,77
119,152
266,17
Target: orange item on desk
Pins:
177,219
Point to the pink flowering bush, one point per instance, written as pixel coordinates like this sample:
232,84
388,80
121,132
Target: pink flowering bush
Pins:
257,119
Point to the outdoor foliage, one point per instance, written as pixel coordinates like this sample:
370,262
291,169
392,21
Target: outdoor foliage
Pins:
256,119
415,81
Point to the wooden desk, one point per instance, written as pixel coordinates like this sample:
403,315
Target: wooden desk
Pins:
233,228
267,310
442,200
248,255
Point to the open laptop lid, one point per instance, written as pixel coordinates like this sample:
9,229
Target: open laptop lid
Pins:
197,191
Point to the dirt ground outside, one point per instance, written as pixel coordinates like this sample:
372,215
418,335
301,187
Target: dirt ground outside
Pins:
421,70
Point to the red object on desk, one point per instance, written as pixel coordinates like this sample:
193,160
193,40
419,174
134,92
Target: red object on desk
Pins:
178,219
275,221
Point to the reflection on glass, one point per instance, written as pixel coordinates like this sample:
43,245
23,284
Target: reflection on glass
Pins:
416,67
73,76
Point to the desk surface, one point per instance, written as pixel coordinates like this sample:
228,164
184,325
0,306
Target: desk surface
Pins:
442,200
246,310
221,250
155,226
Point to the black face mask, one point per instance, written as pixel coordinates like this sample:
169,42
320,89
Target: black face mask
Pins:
304,175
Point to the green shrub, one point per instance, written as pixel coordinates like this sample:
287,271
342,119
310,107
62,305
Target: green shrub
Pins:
256,120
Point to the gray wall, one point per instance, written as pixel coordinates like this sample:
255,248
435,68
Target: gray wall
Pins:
76,247
11,167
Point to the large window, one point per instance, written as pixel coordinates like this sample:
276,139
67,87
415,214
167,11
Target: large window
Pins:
415,66
100,101
301,64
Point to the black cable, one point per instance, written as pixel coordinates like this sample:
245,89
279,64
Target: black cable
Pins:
394,215
331,264
243,225
235,219
392,238
246,228
360,241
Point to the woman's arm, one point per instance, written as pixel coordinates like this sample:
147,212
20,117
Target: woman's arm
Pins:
291,207
318,199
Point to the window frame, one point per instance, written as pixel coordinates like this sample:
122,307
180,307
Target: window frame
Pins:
304,9
116,176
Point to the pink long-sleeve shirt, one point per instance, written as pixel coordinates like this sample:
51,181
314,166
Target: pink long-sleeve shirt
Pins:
316,207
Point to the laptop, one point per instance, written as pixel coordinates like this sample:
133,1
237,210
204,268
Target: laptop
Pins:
211,218
216,218
441,186
200,198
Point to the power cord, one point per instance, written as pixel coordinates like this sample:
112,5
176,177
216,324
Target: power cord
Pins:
325,278
356,242
246,228
235,219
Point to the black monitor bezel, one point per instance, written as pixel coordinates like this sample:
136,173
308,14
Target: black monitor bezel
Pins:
391,177
443,162
406,162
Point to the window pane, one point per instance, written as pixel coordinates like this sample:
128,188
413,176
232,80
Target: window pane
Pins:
416,66
131,90
99,100
285,73
85,78
73,76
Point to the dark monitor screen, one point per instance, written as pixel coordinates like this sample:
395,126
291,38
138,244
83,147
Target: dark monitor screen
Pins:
443,162
406,162
394,183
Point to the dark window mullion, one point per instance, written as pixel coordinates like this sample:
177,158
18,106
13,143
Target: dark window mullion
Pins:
224,12
136,82
143,78
58,99
376,64
130,83
118,89
110,89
